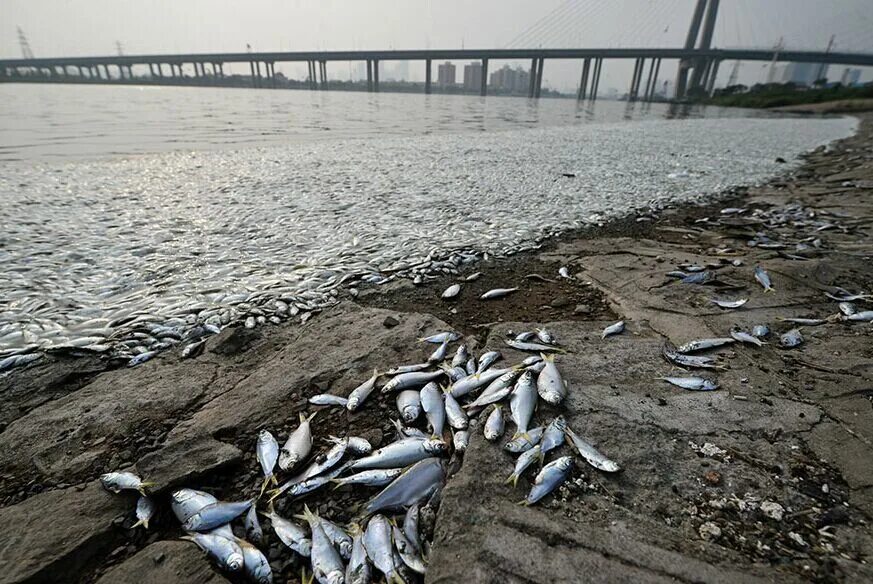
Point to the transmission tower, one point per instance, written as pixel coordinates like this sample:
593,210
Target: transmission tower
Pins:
25,46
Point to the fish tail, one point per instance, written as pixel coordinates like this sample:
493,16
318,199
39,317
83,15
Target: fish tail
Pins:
337,483
274,494
546,357
304,579
264,484
513,478
523,503
143,522
143,486
309,419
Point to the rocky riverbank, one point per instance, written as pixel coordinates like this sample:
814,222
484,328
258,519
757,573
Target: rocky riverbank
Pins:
765,479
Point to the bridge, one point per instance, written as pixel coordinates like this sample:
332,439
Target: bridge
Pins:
698,63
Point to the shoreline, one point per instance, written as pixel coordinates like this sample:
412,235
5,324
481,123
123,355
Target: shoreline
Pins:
64,423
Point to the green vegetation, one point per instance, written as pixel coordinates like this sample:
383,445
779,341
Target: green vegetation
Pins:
784,94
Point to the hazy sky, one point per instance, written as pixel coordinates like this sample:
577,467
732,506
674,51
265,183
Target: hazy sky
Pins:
88,27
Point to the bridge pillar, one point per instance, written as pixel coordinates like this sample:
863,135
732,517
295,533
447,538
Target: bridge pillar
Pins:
698,74
427,72
252,68
532,85
583,81
690,41
376,75
484,89
539,86
631,94
648,87
595,81
710,84
324,75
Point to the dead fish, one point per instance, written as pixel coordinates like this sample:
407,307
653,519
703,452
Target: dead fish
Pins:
865,316
803,321
18,361
408,552
745,337
460,440
523,402
401,453
289,533
550,478
371,478
676,274
145,510
451,291
359,395
792,338
120,481
415,484
760,330
267,454
546,337
377,542
253,526
486,360
255,563
473,277
416,368
188,502
763,279
550,385
327,564
456,416
434,408
298,445
535,347
525,336
216,515
223,551
141,358
326,399
410,527
613,329
409,405
703,345
847,308
354,444
523,462
553,437
524,442
358,570
564,273
439,354
698,278
494,425
497,293
441,337
193,350
848,297
693,383
461,356
591,455
410,380
729,303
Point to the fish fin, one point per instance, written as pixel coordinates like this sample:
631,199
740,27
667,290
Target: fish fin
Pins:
303,417
523,503
304,579
511,479
338,484
274,494
143,522
143,486
547,358
264,484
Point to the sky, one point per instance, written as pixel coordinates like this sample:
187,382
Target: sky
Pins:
92,27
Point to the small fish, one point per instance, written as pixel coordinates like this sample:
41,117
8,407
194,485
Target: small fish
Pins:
141,358
804,321
324,462
223,551
289,533
410,380
525,336
408,368
497,293
546,337
377,542
553,437
451,291
194,349
745,337
326,399
532,360
253,526
564,272
473,277
460,440
255,563
440,353
676,274
733,210
188,502
456,416
358,570
729,303
523,402
120,481
486,360
441,337
434,408
298,445
524,442
763,279
354,444
865,316
591,455
693,383
535,347
845,296
847,308
370,478
550,478
268,454
400,454
494,425
471,367
359,395
216,515
145,510
454,373
673,356
792,338
409,405
703,345
337,535
523,462
18,360
417,483
409,555
550,385
698,278
760,330
297,487
410,527
477,380
327,564
613,329
461,356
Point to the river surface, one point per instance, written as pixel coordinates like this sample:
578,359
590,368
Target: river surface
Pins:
128,212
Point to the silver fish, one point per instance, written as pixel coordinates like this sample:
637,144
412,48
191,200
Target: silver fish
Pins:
439,354
18,361
289,533
120,481
408,368
410,527
404,432
451,291
532,360
268,454
536,347
440,337
526,336
410,380
524,442
370,478
194,349
454,373
692,383
359,395
497,293
494,425
473,277
434,408
553,437
524,461
487,360
792,338
847,297
223,551
461,356
253,526
564,272
327,564
401,453
471,367
847,308
523,402
475,381
255,564
338,536
324,462
550,478
865,316
417,483
729,303
409,405
377,542
760,330
591,455
408,554
703,345
546,337
358,570
551,387
744,337
141,358
354,444
216,515
298,445
326,399
763,279
804,321
188,502
460,440
145,510
456,416
297,487
612,329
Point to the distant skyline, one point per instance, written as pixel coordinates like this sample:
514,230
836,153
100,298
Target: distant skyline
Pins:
92,27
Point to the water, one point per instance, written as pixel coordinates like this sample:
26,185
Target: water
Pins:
126,210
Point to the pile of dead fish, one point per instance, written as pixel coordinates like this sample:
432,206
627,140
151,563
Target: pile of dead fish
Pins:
439,403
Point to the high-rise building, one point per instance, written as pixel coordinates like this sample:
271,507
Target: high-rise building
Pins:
850,77
402,71
473,76
446,74
509,80
804,73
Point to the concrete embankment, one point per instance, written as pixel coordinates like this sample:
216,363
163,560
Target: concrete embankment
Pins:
765,479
